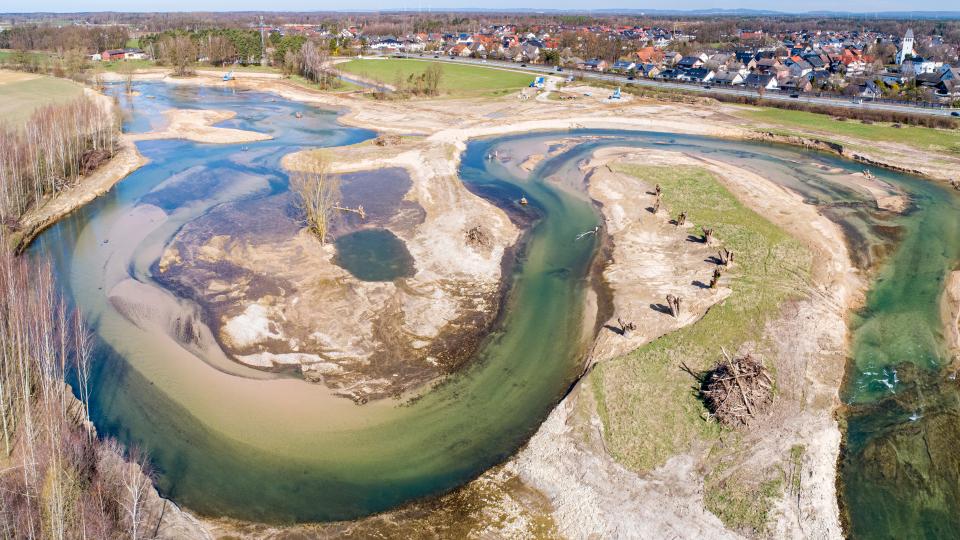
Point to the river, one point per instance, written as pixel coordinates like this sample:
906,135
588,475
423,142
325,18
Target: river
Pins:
228,440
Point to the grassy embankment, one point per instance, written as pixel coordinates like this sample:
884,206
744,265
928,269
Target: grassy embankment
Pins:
458,80
923,138
649,406
21,94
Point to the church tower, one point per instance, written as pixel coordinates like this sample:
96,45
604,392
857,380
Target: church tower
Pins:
906,48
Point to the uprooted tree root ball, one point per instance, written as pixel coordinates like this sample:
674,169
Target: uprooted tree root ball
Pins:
737,390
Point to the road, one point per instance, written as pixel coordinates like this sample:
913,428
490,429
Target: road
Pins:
731,91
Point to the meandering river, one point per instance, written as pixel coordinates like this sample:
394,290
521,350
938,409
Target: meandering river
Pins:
233,441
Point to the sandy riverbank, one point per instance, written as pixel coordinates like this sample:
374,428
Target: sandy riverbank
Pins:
87,188
197,125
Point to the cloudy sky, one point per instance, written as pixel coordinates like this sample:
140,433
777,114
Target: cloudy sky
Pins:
865,6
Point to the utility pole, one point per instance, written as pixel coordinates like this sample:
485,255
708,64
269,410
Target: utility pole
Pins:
263,45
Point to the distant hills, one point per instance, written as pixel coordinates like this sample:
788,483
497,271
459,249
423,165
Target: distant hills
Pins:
712,12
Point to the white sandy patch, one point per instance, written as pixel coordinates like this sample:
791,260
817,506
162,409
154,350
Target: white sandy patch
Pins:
251,327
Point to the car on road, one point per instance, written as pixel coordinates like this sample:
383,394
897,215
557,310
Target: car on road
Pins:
631,78
436,56
453,57
795,96
523,65
559,68
955,113
707,86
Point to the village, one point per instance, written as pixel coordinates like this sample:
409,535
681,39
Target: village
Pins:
851,60
866,64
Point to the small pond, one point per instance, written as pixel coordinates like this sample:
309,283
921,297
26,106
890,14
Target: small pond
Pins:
374,255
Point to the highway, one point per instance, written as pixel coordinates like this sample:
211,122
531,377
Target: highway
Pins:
773,95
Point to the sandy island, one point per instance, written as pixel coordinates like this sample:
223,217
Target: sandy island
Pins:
197,125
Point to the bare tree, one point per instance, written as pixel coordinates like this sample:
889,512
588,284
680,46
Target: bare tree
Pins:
135,486
432,77
127,71
180,53
57,145
218,49
317,194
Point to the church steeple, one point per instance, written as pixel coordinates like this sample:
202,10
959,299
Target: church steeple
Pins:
906,48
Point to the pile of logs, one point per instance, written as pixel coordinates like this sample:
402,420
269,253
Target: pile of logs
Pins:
387,140
737,390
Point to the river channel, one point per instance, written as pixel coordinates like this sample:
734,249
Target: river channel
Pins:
229,440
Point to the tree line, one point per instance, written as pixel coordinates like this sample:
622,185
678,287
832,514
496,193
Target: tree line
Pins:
49,152
33,37
58,479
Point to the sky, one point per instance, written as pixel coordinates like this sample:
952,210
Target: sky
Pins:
865,6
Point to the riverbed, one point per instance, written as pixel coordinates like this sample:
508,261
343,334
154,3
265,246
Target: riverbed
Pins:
229,440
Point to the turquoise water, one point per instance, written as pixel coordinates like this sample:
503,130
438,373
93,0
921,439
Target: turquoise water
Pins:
227,440
374,255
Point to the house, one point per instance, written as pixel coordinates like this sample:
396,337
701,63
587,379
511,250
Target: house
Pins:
460,49
668,74
648,55
870,90
530,52
113,54
623,66
796,85
728,77
690,62
134,54
594,64
760,80
671,58
648,70
700,75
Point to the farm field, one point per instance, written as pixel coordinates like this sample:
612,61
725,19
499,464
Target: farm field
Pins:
22,93
457,79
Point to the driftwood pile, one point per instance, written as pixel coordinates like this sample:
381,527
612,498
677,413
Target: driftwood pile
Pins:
737,390
387,140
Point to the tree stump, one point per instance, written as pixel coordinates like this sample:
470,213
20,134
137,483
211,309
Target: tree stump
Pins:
726,257
707,235
673,303
715,279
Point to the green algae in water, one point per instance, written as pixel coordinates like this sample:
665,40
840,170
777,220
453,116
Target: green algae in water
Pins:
374,255
900,469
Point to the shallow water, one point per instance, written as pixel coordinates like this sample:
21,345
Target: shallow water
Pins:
229,440
374,255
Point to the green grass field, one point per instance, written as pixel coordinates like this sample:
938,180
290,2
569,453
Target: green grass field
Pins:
457,80
19,98
117,65
941,140
648,406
